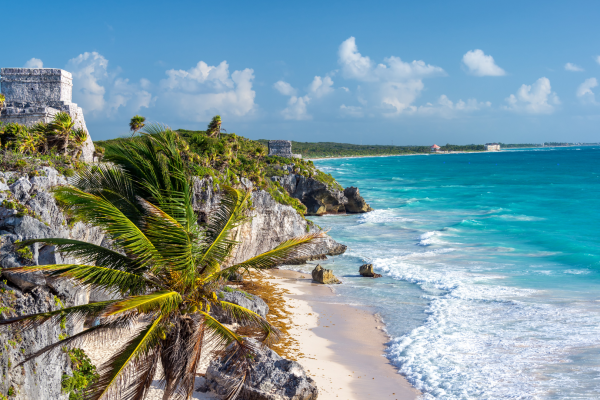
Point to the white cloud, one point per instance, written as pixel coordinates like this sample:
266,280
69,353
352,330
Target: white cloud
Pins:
319,87
597,59
584,91
34,63
353,111
391,87
101,93
284,88
448,109
356,66
573,68
479,64
534,99
296,108
203,91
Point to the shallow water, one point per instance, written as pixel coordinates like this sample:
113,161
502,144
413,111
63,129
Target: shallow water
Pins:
491,268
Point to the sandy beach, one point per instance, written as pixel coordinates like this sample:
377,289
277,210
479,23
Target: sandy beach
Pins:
340,346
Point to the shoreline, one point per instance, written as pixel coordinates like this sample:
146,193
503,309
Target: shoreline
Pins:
340,346
443,154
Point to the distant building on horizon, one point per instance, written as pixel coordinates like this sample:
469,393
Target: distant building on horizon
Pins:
282,148
492,147
435,148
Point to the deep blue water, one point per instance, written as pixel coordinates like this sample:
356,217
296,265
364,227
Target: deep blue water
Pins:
491,265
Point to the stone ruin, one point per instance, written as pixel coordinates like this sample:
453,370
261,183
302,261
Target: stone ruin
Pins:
37,94
282,148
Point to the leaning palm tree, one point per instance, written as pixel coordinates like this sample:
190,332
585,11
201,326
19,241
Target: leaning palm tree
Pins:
214,128
136,123
165,267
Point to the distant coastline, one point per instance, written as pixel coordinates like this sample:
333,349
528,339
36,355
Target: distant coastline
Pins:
448,152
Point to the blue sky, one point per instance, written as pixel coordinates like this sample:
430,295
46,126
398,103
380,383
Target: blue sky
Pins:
371,72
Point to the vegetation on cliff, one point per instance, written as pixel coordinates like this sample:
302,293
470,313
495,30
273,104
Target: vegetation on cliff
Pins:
57,137
227,157
165,266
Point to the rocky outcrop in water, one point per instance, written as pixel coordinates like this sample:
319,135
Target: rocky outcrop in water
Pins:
366,270
28,211
320,198
272,378
355,203
325,276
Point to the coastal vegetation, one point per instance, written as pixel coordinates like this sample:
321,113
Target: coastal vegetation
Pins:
165,267
57,137
332,149
227,158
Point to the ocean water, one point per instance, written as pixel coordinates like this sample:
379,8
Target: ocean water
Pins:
490,264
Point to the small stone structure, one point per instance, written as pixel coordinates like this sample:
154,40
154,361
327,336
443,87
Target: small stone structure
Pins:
36,95
282,148
492,147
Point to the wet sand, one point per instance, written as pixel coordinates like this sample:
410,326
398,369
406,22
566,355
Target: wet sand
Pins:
341,346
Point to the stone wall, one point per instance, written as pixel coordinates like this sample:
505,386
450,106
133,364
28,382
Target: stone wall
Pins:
282,148
36,95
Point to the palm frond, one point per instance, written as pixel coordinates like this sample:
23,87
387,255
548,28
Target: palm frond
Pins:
245,317
111,280
108,330
164,301
284,252
126,365
88,252
75,314
100,212
228,216
113,184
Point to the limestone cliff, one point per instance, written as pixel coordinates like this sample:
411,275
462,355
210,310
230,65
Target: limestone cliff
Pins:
28,211
319,197
270,223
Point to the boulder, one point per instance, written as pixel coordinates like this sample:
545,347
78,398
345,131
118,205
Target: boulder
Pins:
272,378
246,300
322,275
367,270
355,204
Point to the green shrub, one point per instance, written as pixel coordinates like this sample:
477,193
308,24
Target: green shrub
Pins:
84,374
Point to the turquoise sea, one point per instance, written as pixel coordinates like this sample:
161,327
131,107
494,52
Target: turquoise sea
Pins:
490,264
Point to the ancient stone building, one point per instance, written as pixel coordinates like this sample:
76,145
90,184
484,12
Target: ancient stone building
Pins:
282,148
37,94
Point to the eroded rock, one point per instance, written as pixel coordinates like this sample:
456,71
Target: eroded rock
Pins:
356,203
272,378
367,271
325,276
246,300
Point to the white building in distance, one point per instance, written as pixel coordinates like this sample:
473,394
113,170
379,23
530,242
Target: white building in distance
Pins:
492,147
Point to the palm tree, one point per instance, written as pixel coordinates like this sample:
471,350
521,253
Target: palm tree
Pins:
214,128
136,123
59,132
165,267
2,100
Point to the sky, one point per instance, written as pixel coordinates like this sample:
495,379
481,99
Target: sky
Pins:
364,72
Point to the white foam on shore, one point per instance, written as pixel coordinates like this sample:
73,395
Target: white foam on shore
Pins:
482,340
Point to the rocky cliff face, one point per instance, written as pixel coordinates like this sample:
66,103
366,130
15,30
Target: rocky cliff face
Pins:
270,223
320,198
28,211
